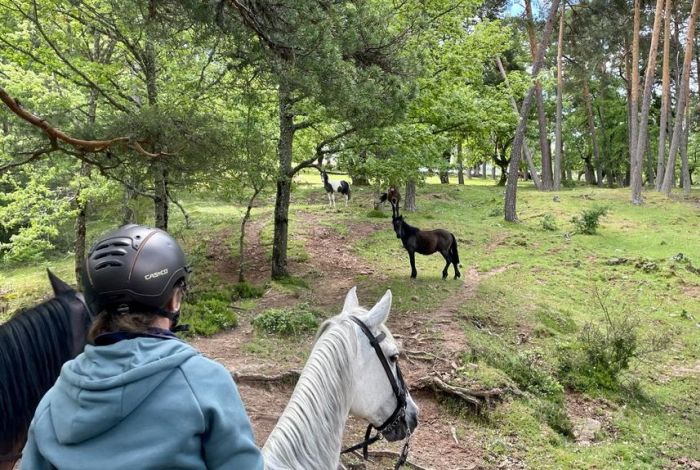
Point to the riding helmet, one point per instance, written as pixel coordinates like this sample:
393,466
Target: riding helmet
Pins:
133,270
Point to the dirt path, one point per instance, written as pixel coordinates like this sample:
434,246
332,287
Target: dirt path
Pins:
437,332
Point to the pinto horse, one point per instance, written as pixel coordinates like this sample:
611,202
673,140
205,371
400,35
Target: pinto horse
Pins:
427,242
332,187
34,344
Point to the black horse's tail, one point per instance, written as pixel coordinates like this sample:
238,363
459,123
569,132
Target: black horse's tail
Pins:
453,250
345,188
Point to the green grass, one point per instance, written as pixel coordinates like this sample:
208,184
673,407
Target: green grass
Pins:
517,320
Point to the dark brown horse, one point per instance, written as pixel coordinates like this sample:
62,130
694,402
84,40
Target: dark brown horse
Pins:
394,197
427,242
34,344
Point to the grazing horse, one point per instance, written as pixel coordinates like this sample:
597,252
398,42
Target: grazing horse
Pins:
353,369
427,242
34,344
333,187
394,197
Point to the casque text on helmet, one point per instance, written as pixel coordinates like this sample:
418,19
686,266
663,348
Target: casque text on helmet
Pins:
156,274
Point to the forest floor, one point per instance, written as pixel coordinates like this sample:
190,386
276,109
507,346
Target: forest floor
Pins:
525,294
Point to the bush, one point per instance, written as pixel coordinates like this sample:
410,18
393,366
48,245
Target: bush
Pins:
548,222
587,223
600,354
207,316
287,322
245,290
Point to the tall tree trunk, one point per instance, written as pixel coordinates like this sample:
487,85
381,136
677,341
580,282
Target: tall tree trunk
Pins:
241,240
359,178
460,163
284,182
158,170
547,180
526,149
81,228
665,97
681,103
634,82
160,190
685,171
637,161
409,202
512,181
591,128
560,92
483,170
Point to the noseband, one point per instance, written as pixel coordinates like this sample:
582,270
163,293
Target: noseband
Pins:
399,388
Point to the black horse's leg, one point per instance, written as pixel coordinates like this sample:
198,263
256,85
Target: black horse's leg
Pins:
448,261
412,257
457,273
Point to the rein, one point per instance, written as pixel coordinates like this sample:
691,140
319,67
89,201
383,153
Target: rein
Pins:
399,388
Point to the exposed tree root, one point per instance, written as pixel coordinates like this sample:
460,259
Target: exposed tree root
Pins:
289,377
476,398
380,454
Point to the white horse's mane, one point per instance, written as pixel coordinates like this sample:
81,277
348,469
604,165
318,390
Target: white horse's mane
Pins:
309,433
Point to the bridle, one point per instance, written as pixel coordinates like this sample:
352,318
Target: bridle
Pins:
398,386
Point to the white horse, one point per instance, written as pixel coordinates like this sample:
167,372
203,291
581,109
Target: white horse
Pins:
332,187
343,375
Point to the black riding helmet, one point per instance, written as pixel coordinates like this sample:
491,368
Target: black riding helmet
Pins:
134,269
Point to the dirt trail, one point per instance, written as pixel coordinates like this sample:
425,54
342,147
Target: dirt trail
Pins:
442,441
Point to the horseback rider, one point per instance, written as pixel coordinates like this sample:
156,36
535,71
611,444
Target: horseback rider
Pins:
138,397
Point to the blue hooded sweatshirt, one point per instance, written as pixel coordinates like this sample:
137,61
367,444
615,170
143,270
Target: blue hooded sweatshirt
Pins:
142,403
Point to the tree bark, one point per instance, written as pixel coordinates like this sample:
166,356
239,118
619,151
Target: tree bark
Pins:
681,102
547,180
685,171
591,128
284,182
512,180
560,93
80,228
637,161
241,240
526,149
460,163
160,200
409,202
665,97
634,82
445,173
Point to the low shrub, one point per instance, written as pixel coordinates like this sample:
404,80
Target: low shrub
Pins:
245,290
293,321
587,223
377,214
548,222
207,316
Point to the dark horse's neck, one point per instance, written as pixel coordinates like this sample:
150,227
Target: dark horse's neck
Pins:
34,344
408,230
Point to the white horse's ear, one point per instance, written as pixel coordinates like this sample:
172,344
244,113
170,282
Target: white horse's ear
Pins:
379,312
351,302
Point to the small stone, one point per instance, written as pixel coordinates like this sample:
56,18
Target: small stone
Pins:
414,298
556,199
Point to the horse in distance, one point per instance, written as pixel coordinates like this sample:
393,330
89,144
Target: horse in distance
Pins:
332,187
427,242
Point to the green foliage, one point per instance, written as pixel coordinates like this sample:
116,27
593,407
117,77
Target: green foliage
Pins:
245,290
587,223
377,214
294,321
549,222
208,314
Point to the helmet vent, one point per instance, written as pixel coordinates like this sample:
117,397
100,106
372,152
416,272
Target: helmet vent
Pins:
112,243
117,252
107,264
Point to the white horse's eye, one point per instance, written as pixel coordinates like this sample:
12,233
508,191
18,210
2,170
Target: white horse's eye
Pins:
394,358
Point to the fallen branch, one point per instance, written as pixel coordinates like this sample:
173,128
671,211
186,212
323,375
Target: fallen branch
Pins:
388,454
289,377
424,355
476,398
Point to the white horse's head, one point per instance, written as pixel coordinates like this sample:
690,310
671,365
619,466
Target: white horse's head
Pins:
374,397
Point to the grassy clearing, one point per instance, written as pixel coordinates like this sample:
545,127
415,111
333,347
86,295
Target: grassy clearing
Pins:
519,320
